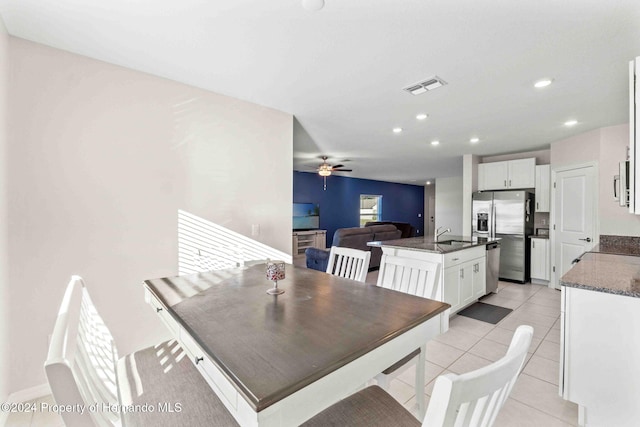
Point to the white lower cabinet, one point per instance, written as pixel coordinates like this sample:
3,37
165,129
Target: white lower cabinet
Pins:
599,354
539,259
464,281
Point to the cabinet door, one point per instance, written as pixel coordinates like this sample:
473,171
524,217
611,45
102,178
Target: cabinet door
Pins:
543,188
452,287
539,259
521,173
493,176
466,282
479,278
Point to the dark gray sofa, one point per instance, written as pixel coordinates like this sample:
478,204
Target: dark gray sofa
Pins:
356,238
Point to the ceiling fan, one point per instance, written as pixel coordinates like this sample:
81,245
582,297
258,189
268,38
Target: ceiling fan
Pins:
325,169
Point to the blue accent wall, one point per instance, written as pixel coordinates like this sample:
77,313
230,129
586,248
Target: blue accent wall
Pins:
340,203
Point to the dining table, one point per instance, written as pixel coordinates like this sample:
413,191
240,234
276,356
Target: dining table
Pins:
277,360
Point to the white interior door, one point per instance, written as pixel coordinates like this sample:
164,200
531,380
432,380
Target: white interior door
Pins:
574,212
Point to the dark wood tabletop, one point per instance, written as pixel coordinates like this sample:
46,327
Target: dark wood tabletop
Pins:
272,346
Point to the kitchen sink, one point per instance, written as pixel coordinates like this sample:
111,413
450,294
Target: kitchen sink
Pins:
454,242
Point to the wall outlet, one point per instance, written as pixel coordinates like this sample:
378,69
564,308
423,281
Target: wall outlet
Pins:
255,230
544,221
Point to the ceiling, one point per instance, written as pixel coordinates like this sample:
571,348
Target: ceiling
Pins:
341,70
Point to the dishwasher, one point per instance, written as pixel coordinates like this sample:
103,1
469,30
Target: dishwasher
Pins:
493,266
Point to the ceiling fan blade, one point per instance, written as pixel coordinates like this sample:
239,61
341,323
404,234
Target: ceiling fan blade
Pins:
337,166
342,170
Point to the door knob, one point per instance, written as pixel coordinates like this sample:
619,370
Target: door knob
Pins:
588,239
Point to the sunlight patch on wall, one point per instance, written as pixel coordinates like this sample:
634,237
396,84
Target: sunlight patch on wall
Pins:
204,246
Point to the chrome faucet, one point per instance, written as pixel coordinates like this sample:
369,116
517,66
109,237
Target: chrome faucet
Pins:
439,233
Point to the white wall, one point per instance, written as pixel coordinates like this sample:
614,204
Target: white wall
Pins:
469,185
607,146
4,258
614,219
101,159
429,209
449,204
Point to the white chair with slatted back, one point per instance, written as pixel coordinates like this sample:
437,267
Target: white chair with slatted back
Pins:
349,263
415,277
83,369
472,399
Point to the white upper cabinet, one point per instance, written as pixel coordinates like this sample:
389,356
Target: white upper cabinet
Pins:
511,174
543,188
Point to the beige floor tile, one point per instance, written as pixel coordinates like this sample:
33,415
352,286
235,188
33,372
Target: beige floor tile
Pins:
469,325
549,292
488,349
401,391
429,388
504,336
544,369
553,335
498,300
442,354
411,405
541,319
467,363
47,419
557,324
517,414
545,300
544,397
541,309
549,350
517,292
458,338
512,323
430,372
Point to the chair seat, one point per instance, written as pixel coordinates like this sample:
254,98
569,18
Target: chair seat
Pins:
164,375
391,369
371,407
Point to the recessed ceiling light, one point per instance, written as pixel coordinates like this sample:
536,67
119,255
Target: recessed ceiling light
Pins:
474,140
421,116
397,130
542,83
571,123
435,142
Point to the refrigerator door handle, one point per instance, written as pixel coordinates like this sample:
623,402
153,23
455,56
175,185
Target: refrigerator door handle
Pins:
528,207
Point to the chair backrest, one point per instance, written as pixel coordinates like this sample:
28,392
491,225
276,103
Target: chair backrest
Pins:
411,276
475,398
81,364
349,263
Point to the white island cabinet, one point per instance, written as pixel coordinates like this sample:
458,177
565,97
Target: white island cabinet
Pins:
462,272
600,340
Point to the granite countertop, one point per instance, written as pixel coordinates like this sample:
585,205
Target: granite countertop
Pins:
605,272
428,244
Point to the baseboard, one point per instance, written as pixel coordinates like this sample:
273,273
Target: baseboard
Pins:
539,282
29,393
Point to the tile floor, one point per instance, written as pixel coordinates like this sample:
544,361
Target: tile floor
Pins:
470,344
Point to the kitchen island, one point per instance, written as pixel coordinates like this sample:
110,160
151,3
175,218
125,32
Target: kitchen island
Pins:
600,338
462,265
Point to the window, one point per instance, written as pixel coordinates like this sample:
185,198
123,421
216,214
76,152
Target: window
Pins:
370,208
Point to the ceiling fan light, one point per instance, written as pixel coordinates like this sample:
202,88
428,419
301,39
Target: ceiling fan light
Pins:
324,172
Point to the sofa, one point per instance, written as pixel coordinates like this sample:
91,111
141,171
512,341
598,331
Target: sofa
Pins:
405,228
356,238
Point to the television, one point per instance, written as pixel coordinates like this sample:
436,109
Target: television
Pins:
306,216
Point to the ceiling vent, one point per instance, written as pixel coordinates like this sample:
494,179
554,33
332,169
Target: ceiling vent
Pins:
425,86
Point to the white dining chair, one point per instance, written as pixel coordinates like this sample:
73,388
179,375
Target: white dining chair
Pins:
83,371
349,263
472,399
414,277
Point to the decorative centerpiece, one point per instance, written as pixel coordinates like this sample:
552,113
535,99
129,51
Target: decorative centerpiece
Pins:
275,272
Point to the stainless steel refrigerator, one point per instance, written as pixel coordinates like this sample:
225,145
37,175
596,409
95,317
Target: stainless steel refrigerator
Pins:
507,215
